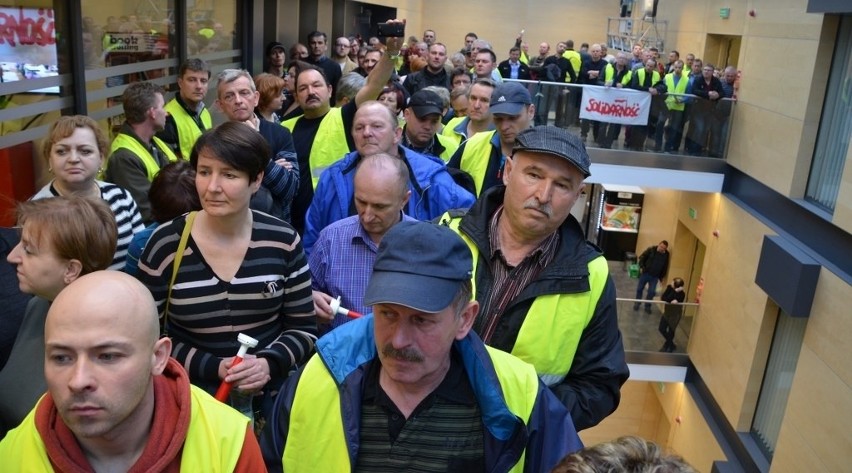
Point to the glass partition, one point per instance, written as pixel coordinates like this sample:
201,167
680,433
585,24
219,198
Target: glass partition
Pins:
626,119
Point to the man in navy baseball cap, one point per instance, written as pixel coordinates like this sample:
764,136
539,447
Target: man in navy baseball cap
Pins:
484,155
382,386
419,266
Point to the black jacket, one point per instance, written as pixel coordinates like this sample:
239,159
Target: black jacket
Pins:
654,263
592,388
423,78
506,70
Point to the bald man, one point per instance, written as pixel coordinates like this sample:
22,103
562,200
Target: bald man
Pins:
116,401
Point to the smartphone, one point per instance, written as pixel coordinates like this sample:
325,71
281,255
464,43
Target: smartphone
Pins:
392,30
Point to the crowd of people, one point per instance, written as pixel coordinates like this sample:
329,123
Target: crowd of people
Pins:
397,243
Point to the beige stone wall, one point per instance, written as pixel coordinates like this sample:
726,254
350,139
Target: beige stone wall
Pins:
725,335
659,218
771,139
815,435
639,413
664,413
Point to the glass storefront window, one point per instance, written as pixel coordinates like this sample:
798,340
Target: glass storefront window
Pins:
35,71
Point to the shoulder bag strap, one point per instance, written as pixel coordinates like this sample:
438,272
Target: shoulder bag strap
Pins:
184,237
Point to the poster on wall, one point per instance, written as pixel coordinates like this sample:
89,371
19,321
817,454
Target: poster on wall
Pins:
623,218
28,45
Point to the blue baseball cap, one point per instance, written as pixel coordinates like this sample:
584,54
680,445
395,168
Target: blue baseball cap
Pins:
420,265
509,98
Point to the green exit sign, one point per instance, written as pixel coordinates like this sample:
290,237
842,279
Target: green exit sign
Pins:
693,214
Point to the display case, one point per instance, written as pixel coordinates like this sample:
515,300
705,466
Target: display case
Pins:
619,217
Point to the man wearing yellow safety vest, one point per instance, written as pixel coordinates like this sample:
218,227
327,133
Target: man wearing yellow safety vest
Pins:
321,136
136,155
116,401
187,116
484,155
646,79
478,117
422,120
546,293
674,85
410,385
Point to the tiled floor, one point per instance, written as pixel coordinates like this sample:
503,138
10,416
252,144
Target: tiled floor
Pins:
638,328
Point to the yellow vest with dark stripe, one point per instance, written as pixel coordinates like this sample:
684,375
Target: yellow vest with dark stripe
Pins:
316,441
474,159
214,440
574,60
152,167
675,102
450,147
329,143
553,326
188,131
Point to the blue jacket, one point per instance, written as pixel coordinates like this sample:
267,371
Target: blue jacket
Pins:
547,437
433,192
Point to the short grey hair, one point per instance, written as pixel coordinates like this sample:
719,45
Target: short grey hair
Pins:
349,85
230,75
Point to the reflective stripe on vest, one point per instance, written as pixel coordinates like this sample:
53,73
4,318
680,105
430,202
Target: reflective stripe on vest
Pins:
674,102
551,331
188,130
329,143
475,158
655,77
316,440
574,61
214,439
152,167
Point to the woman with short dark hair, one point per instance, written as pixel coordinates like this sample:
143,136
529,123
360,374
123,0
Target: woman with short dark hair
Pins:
241,271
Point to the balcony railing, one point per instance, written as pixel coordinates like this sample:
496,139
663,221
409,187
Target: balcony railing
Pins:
700,129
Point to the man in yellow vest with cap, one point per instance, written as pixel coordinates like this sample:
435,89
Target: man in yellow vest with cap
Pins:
116,401
546,293
410,385
136,155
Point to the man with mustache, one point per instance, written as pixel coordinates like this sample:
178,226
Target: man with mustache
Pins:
546,294
411,385
321,135
116,401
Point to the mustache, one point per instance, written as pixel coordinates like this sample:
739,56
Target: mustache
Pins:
406,354
534,204
313,97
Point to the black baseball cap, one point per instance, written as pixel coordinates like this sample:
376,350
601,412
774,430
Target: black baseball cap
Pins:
273,46
426,102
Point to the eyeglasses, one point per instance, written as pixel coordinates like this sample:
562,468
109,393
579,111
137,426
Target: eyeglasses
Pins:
340,45
244,94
